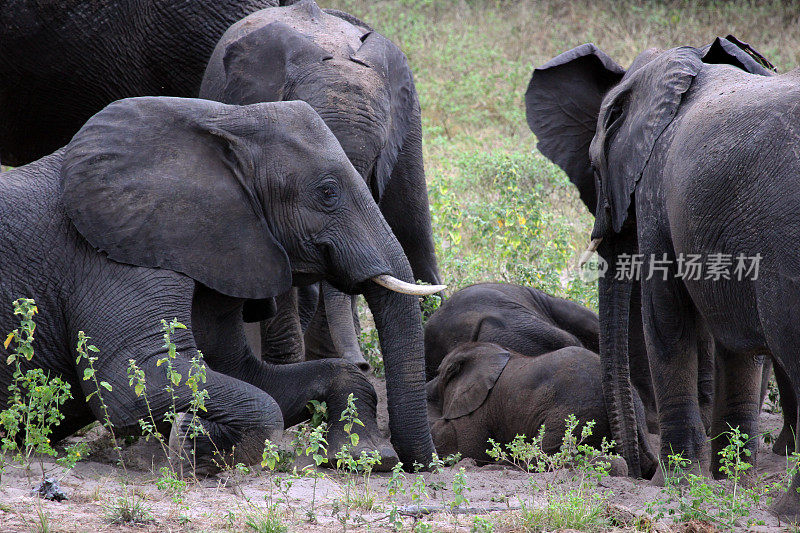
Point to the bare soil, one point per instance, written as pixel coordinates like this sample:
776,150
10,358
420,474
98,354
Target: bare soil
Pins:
224,503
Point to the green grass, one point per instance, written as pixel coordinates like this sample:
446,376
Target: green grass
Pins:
472,61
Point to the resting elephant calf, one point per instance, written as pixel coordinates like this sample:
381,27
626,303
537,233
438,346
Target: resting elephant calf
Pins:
485,391
170,207
528,321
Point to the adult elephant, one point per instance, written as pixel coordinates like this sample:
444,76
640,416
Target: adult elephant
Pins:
361,85
118,230
62,62
549,121
692,154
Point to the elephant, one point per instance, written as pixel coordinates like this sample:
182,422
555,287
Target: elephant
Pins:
691,153
573,159
361,85
62,62
525,320
480,387
117,230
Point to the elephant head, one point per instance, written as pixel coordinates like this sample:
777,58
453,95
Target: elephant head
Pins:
248,200
357,80
601,125
464,382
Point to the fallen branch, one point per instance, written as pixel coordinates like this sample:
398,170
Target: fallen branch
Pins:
422,510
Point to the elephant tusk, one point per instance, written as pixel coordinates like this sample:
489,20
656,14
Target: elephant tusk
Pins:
396,285
589,251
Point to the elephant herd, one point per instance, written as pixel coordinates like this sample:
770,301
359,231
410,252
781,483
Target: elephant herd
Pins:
247,167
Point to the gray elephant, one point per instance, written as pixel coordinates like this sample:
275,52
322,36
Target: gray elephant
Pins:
481,386
118,230
692,155
62,62
527,321
361,85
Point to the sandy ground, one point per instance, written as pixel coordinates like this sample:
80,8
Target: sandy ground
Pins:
225,502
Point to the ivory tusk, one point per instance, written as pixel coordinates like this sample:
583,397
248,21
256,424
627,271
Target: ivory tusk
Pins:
585,256
396,285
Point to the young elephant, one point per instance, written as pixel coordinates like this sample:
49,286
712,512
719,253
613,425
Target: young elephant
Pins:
522,319
485,391
170,207
530,322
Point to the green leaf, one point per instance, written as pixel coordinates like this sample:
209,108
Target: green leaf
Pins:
88,373
354,439
106,385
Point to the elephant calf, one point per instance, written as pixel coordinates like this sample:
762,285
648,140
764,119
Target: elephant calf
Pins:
485,391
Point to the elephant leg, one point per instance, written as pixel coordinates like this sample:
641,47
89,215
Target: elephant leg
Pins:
238,417
777,299
784,444
307,302
706,374
282,335
737,404
293,386
333,331
670,332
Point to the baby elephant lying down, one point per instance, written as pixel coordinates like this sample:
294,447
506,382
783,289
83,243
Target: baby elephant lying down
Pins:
484,391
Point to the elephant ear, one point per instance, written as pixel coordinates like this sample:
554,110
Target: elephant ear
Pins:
468,375
633,116
258,64
732,51
383,56
168,183
561,106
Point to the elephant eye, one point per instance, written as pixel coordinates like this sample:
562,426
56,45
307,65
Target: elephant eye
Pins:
328,193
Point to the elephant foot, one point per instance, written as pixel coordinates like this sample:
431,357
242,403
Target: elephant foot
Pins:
388,457
784,444
193,451
787,506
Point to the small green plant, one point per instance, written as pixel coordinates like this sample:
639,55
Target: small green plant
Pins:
569,498
35,399
371,348
128,510
267,521
460,489
350,466
395,487
317,450
87,352
195,378
482,524
170,483
687,496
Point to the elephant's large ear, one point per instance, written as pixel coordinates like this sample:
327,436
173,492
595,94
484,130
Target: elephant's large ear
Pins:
168,183
467,377
382,55
561,105
632,118
732,51
258,64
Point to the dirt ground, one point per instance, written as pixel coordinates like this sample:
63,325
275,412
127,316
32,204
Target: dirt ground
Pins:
225,502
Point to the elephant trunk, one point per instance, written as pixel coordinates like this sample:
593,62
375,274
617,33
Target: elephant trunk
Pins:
615,300
398,321
342,325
